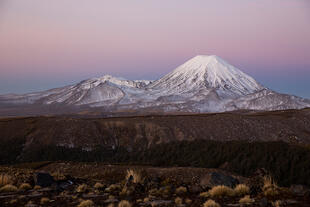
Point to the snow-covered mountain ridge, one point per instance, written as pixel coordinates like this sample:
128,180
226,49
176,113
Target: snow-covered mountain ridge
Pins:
202,84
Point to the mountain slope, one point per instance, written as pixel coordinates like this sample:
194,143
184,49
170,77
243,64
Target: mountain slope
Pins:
207,72
202,84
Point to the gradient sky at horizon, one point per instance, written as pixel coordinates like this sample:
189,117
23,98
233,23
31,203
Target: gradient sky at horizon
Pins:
46,44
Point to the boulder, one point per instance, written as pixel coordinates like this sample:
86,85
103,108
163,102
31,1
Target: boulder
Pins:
43,179
218,178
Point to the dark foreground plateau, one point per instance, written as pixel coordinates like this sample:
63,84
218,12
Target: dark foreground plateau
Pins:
233,159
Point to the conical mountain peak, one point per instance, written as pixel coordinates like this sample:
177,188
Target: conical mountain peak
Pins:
208,72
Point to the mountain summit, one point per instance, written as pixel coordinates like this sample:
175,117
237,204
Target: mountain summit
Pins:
202,84
207,72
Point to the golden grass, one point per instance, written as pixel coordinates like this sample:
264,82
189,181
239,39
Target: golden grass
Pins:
5,179
277,203
58,175
14,201
37,187
211,203
181,190
165,191
271,192
112,188
25,187
126,191
124,203
246,200
87,203
188,201
204,194
44,200
178,201
98,185
8,188
81,188
221,191
241,190
268,182
270,188
111,205
136,175
154,192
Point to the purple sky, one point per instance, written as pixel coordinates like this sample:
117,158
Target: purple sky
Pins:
51,43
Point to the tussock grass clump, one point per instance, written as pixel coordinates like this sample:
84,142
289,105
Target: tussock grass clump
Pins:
37,187
188,201
44,200
5,179
204,194
126,192
8,188
81,188
124,203
25,187
14,201
271,192
145,200
99,186
181,190
270,188
154,192
87,203
211,203
58,175
113,188
278,203
221,191
136,175
164,191
246,200
178,201
241,190
268,182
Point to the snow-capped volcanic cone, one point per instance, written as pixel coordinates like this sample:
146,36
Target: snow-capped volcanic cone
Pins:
207,73
202,84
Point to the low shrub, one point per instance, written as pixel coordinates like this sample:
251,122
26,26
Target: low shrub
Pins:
211,203
181,190
8,188
99,186
81,188
44,200
221,191
136,175
87,203
5,179
25,187
124,203
246,200
178,201
241,190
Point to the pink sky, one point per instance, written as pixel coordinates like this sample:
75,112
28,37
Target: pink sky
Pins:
46,43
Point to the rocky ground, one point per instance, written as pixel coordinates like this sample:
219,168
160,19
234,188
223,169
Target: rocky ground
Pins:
94,184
